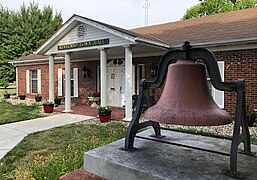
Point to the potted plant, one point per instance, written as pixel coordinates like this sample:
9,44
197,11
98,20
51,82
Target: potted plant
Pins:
4,82
48,106
250,114
94,97
57,100
104,113
38,98
22,96
6,95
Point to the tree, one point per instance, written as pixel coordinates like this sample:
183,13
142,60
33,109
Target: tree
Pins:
210,7
22,32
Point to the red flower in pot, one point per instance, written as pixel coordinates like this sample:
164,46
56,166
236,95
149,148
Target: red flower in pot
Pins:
104,113
48,106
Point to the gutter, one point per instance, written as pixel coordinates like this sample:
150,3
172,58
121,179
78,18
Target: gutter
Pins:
152,43
223,43
34,61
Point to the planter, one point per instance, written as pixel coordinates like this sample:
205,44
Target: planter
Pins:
57,101
94,100
7,96
48,108
251,120
22,97
38,98
104,118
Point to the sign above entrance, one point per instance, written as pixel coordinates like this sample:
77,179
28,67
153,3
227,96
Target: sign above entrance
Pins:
84,44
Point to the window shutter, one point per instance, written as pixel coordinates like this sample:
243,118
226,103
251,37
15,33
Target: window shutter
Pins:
27,82
59,82
218,96
133,79
75,76
39,81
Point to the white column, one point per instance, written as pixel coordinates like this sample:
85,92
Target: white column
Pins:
103,63
51,78
67,84
128,83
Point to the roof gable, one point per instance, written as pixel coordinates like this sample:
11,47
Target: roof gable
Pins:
66,35
89,38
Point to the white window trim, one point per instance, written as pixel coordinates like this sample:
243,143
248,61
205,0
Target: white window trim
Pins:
27,82
39,81
140,66
59,82
75,82
98,79
216,92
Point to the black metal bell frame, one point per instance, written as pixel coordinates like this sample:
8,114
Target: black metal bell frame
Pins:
238,86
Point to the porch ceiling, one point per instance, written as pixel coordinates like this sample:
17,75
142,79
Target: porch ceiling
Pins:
139,50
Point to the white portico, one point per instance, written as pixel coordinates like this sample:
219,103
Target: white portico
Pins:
83,40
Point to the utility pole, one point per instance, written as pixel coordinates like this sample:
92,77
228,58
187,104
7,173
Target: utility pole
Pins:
146,6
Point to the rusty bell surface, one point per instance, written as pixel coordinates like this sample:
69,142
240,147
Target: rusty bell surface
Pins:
186,100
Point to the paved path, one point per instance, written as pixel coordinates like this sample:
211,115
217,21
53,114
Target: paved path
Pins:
11,134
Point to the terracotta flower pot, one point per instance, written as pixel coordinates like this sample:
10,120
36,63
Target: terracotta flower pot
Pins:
104,118
48,108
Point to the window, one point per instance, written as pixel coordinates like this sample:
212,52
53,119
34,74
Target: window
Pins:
33,81
217,95
74,82
82,31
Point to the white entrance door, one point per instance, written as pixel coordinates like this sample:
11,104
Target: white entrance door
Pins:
116,86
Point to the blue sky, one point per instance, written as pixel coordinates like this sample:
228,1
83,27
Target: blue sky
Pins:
123,13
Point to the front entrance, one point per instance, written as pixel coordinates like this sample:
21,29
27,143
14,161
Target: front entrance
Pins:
116,86
116,83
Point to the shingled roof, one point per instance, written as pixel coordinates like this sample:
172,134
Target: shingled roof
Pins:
228,26
31,57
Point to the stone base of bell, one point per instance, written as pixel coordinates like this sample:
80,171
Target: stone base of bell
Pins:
159,161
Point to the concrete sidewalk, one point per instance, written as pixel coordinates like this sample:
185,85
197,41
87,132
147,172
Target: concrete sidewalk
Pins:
11,134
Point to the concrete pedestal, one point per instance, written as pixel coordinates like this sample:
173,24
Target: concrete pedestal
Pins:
158,161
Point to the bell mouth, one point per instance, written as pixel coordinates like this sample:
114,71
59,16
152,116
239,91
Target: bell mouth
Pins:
186,99
188,117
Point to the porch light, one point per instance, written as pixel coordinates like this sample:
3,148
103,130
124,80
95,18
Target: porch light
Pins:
86,72
153,70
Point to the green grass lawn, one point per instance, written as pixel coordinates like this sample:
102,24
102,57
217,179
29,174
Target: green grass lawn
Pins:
52,153
13,113
11,90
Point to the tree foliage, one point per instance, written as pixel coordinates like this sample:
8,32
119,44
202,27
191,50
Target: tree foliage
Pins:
22,32
210,7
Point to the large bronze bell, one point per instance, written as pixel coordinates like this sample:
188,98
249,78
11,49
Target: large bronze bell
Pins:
186,100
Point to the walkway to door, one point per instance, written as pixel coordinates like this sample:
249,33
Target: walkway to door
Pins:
117,113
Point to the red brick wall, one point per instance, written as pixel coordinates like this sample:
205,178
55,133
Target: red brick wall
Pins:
85,85
240,64
44,80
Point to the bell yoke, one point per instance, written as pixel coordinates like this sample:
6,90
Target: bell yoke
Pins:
186,99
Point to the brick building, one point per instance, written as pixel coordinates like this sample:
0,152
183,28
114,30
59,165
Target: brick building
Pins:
98,57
